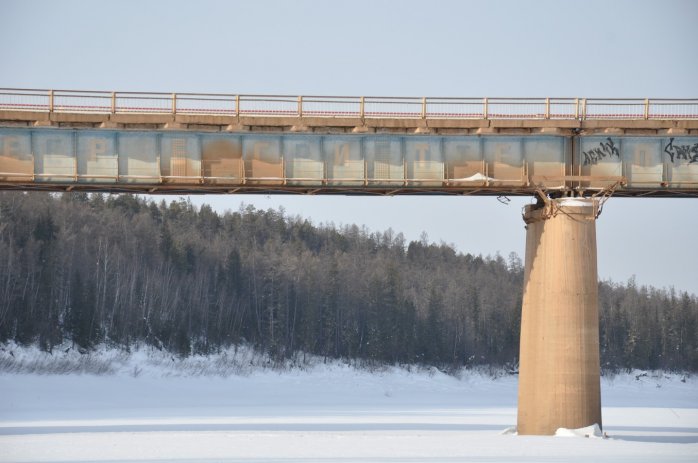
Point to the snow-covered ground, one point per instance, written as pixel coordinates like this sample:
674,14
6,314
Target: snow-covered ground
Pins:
151,407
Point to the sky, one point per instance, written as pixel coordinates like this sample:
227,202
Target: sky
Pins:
618,49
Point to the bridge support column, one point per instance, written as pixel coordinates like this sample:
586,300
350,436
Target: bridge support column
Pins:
559,381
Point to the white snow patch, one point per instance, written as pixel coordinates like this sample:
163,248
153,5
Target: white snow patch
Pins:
590,431
574,202
478,177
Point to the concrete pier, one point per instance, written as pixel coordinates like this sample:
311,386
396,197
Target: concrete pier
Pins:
559,382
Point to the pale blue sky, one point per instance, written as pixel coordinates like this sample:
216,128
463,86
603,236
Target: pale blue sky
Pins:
627,48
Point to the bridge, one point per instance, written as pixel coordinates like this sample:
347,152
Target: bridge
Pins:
189,144
570,153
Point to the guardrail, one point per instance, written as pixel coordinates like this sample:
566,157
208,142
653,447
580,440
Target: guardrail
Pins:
101,102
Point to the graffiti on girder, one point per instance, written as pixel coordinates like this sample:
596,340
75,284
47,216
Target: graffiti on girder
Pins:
605,149
679,153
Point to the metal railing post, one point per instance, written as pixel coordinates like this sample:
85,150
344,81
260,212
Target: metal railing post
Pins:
361,107
300,106
647,108
237,105
576,108
113,102
485,109
174,103
50,101
424,107
584,109
547,108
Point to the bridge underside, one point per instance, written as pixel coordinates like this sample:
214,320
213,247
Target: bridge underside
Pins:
203,189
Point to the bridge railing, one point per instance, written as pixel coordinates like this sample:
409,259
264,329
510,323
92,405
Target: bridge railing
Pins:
101,102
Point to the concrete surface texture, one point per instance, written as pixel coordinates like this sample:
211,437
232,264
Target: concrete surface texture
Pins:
559,383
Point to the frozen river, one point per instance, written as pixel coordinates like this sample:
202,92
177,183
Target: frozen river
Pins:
327,414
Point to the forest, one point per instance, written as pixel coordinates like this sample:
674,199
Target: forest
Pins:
119,270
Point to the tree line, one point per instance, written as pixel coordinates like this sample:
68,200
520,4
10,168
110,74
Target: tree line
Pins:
120,270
